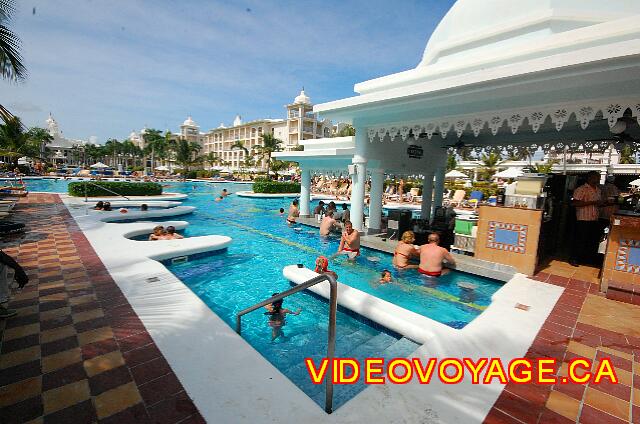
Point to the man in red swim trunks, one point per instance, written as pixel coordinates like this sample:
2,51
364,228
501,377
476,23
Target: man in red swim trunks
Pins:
432,255
349,242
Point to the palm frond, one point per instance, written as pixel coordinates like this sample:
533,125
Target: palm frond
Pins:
7,7
11,65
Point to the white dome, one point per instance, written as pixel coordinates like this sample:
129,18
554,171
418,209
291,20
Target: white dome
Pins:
133,135
480,27
302,99
222,125
189,122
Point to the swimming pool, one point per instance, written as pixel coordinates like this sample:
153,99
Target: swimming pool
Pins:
251,271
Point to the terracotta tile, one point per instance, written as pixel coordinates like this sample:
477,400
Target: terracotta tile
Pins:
56,322
180,407
65,396
103,363
23,412
82,299
110,379
87,315
607,403
563,405
17,392
160,389
135,341
581,349
57,334
142,355
591,415
116,400
92,350
19,357
63,376
18,332
21,320
60,360
59,345
55,313
150,370
137,414
616,352
82,412
95,335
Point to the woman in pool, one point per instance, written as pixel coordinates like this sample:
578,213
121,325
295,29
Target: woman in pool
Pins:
405,250
106,206
99,206
385,277
158,233
277,317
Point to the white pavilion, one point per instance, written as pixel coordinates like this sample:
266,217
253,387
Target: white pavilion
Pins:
504,74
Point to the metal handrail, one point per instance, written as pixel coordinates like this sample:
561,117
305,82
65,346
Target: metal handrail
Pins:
333,307
100,187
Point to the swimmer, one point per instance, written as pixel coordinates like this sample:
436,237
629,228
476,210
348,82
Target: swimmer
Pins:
281,211
171,234
322,267
158,233
349,242
224,193
328,223
144,207
432,256
99,206
385,277
277,317
294,212
219,198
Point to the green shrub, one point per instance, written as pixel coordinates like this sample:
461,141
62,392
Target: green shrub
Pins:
124,188
265,186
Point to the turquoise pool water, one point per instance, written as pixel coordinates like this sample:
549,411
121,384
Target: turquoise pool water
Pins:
251,270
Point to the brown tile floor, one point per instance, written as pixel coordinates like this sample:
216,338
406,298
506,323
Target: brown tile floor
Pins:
583,324
77,351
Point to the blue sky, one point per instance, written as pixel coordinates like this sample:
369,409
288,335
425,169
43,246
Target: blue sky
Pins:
104,67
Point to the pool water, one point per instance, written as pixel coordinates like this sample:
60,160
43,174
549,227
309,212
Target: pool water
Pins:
250,270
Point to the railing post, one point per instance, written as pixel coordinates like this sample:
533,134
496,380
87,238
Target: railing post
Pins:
85,192
331,342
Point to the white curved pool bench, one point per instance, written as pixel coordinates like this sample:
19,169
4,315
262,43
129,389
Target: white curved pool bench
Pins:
266,195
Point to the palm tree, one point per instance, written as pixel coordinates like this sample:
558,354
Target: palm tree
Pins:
451,162
112,148
186,154
270,144
15,142
280,165
11,66
346,131
154,144
489,164
543,168
211,158
626,155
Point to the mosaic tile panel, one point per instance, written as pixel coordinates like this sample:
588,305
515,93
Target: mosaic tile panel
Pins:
507,237
628,256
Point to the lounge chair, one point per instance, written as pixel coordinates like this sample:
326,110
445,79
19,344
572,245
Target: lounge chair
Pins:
390,194
475,198
414,195
458,198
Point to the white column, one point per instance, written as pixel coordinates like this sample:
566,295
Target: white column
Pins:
439,187
305,192
357,194
375,202
427,196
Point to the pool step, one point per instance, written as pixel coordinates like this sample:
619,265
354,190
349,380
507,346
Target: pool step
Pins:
372,347
400,349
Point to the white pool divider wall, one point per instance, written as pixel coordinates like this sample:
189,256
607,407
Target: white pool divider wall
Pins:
407,323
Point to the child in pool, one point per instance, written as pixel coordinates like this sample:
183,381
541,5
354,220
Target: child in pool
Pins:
281,211
277,317
385,278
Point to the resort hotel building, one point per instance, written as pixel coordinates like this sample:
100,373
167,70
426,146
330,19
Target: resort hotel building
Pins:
61,150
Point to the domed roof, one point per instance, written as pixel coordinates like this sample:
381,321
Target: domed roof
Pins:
189,122
302,98
133,135
222,125
237,121
481,27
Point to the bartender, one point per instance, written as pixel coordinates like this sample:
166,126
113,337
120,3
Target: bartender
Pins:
587,200
610,194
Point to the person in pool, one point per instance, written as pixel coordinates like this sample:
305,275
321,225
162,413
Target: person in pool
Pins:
405,250
385,277
294,212
328,223
99,206
349,242
322,267
278,317
281,211
171,234
144,207
224,193
432,256
319,210
158,233
106,206
219,199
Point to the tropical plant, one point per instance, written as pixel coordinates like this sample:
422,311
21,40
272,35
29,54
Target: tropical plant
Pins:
543,168
489,165
211,158
186,154
451,162
626,155
11,66
15,142
346,131
280,165
269,145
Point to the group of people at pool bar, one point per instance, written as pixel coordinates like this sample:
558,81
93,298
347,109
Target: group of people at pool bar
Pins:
429,257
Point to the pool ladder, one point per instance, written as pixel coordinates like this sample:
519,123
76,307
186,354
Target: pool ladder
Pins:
333,307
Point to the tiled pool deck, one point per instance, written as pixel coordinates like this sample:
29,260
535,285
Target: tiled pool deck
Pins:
78,353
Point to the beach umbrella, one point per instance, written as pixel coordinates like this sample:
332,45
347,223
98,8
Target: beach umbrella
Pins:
509,173
161,168
635,183
455,174
99,165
